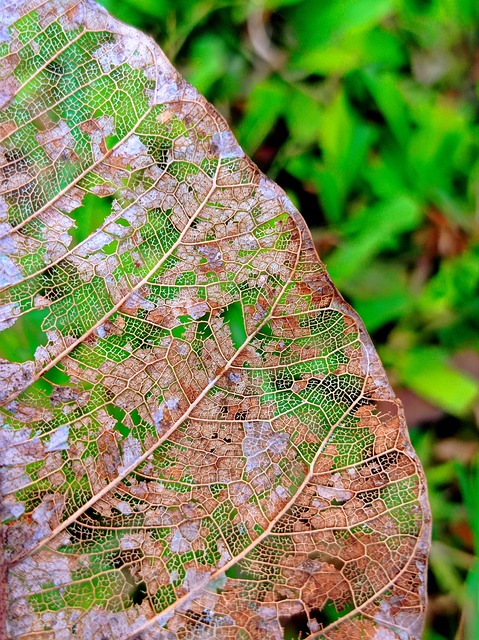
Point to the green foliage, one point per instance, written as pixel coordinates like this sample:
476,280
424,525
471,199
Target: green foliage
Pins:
364,112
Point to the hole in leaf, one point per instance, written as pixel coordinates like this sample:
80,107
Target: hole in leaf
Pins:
20,341
295,626
329,613
119,415
111,141
233,315
139,594
90,216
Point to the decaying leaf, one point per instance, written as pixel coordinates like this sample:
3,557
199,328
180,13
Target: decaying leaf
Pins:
204,444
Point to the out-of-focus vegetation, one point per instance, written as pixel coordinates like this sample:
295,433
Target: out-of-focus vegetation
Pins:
363,110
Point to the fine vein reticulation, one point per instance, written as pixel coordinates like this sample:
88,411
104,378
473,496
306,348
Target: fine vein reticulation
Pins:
203,443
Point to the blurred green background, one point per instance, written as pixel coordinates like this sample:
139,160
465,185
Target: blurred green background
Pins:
364,112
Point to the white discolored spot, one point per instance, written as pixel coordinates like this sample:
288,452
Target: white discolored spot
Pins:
198,310
131,450
386,634
260,443
59,439
195,579
3,213
11,510
131,148
123,49
57,140
41,354
224,144
9,272
332,493
14,376
8,315
282,492
137,301
172,404
101,331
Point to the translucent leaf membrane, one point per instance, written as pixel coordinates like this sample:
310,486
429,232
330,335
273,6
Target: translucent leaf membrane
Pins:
202,442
